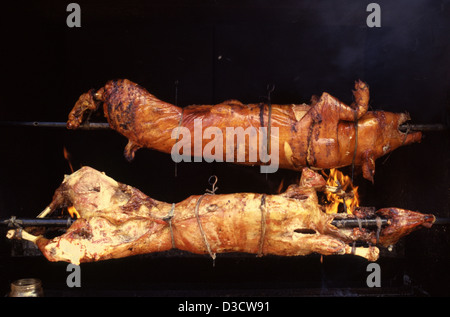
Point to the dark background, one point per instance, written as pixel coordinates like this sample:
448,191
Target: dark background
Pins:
204,52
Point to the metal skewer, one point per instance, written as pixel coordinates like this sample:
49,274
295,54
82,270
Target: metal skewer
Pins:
423,127
14,222
51,124
364,223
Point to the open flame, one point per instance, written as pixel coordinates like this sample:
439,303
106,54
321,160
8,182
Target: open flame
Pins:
340,190
280,187
68,158
73,212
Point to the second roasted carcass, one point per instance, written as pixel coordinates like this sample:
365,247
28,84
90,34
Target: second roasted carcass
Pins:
118,220
324,134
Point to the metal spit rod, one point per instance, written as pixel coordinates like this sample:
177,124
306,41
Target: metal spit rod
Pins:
423,127
14,222
105,126
51,124
364,223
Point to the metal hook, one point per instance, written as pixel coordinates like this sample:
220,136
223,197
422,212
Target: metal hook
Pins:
270,88
213,184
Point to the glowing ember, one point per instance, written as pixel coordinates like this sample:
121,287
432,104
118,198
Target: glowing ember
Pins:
73,212
340,190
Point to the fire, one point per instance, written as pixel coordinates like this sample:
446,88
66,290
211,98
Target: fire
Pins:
73,212
67,157
340,190
280,187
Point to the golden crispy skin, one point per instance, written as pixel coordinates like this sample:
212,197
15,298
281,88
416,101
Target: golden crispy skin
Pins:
321,135
117,220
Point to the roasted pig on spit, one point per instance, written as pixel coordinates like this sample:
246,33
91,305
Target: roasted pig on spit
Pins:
117,220
325,134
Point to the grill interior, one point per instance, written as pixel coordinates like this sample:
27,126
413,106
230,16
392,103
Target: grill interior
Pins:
205,52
